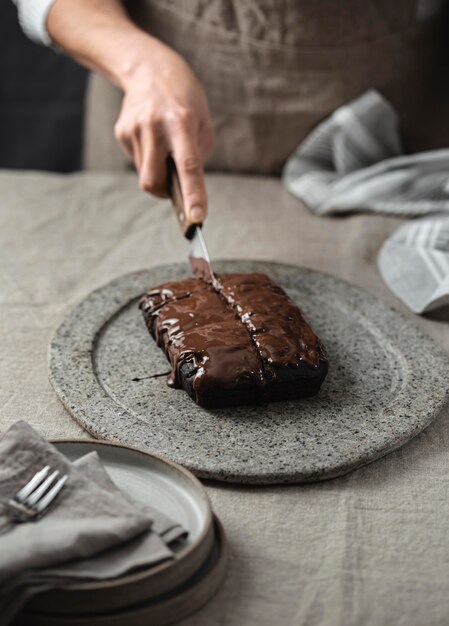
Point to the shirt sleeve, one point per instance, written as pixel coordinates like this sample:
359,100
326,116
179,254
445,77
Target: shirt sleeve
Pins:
33,17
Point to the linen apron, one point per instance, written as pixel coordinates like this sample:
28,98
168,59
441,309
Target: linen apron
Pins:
272,69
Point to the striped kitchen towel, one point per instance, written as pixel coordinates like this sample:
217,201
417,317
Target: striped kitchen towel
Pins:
354,161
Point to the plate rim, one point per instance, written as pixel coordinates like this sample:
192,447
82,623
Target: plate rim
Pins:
165,565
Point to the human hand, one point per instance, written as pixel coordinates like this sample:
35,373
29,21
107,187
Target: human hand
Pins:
164,110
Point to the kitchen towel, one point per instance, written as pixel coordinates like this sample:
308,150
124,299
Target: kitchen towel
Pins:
353,161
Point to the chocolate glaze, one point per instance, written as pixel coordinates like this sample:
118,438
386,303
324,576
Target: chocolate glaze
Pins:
241,330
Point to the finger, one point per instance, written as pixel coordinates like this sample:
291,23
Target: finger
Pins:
136,148
125,141
153,169
206,140
191,176
127,147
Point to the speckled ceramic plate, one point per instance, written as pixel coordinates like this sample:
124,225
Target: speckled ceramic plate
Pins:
387,381
165,486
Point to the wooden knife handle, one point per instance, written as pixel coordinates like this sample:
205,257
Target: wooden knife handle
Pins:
175,193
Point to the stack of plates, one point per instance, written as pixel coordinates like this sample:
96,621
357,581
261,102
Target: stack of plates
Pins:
162,594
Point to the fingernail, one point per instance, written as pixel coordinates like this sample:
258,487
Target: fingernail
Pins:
196,213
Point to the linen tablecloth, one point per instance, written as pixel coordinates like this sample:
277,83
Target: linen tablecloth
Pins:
371,548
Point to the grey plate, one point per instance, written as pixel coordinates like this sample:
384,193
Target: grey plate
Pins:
167,609
168,488
387,381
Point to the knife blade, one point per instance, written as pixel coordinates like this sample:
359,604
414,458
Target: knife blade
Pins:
198,254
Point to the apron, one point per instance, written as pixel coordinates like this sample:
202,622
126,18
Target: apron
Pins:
272,69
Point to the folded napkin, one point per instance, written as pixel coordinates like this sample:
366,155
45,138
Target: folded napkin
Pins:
92,532
414,262
354,161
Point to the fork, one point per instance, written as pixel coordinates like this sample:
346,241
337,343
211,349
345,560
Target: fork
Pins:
32,501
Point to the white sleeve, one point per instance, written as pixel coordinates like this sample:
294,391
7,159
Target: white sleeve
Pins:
33,18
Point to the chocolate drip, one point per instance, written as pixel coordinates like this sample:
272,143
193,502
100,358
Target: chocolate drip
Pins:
242,330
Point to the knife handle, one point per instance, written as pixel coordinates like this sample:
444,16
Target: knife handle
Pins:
175,193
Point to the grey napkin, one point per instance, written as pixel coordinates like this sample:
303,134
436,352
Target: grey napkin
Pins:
354,161
86,520
94,531
167,529
414,262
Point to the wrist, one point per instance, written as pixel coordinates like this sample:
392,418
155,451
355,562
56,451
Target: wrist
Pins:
139,58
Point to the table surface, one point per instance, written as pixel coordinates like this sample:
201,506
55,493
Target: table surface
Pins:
370,548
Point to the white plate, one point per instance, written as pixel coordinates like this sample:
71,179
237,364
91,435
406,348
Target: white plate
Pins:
165,486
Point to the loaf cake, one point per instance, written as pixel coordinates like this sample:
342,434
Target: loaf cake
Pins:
239,341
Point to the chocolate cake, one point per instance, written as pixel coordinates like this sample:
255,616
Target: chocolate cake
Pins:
239,341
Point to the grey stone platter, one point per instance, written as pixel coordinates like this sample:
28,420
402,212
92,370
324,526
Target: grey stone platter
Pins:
387,381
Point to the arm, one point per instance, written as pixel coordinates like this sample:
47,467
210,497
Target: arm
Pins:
164,108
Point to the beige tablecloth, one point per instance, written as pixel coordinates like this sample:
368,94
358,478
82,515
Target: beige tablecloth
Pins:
368,549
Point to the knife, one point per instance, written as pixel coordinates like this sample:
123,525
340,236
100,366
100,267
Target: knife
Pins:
198,255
